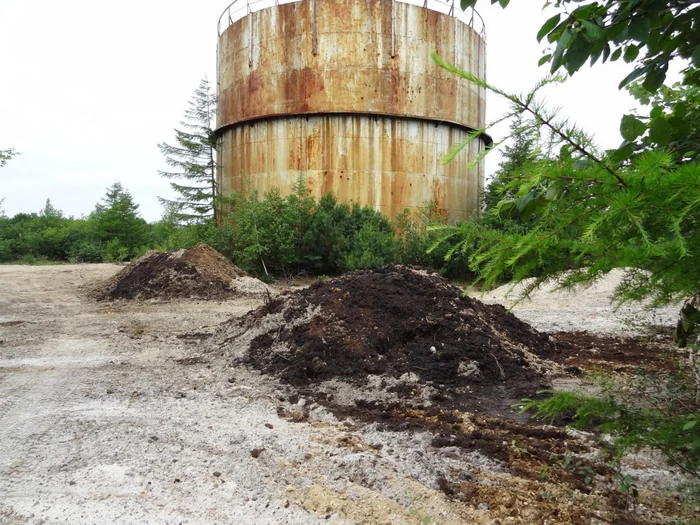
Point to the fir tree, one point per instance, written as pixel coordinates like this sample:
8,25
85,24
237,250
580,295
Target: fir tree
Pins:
49,211
515,155
193,160
116,220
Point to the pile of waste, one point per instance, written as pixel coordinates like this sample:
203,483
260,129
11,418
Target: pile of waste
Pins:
198,273
400,332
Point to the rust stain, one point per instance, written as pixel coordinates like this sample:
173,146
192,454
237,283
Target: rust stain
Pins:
339,118
354,64
336,148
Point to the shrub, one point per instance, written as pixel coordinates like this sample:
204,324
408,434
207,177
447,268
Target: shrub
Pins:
86,251
369,248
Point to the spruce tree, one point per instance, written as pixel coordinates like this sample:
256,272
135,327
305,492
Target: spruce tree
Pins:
116,220
193,159
523,148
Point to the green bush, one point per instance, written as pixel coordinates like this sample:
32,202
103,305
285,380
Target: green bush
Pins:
86,251
5,251
370,247
115,252
276,235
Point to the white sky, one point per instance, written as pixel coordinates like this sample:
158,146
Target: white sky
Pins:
88,89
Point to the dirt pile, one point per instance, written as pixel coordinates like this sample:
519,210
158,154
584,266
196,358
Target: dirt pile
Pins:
198,273
397,332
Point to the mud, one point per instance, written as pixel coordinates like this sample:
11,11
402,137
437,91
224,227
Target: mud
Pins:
614,353
198,273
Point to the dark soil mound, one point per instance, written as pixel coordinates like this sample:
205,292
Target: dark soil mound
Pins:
406,325
200,273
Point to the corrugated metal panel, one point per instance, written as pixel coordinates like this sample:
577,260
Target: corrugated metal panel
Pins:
267,70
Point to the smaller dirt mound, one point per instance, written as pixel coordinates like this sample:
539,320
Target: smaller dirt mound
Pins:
395,330
198,273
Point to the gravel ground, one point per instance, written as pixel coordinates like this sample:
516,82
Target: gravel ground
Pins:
109,413
582,308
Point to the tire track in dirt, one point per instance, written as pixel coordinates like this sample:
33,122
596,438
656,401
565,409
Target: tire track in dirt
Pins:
25,433
38,389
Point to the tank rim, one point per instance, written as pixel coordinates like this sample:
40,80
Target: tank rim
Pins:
238,9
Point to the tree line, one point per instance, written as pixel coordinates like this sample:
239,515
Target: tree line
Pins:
268,235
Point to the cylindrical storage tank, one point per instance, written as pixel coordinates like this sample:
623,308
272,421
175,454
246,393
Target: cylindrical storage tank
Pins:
345,94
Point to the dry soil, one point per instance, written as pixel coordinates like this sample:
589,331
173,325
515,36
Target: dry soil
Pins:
122,413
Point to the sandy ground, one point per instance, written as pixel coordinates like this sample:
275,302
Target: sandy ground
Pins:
107,416
581,308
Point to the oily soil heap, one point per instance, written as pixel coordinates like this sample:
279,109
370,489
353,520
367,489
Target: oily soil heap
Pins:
199,273
406,325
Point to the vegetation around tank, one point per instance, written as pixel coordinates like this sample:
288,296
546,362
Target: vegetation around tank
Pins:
573,212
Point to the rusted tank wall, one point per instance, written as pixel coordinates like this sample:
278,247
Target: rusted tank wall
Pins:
386,162
370,62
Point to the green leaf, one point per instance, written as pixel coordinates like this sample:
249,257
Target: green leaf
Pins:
553,192
632,76
467,3
578,53
505,207
616,32
660,131
561,47
690,424
591,31
616,54
557,32
622,153
596,51
669,45
656,112
631,53
548,26
504,3
696,57
529,204
654,79
631,127
681,109
638,28
544,59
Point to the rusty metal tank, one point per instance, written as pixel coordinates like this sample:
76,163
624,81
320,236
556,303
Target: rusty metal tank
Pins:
345,94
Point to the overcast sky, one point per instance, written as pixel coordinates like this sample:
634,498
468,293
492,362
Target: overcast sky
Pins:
88,89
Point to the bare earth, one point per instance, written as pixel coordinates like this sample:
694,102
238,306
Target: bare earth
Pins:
109,413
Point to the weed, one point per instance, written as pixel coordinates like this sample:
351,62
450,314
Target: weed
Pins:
578,467
548,496
517,451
